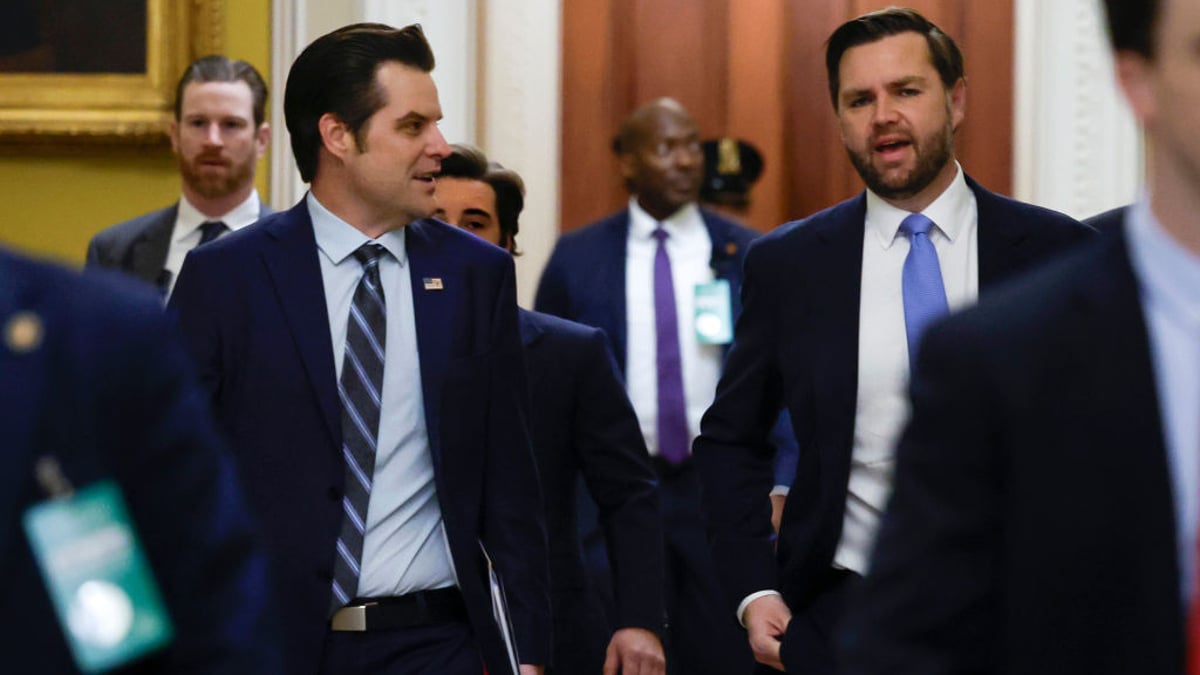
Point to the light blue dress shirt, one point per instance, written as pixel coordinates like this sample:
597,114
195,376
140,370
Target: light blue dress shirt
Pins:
405,548
1169,284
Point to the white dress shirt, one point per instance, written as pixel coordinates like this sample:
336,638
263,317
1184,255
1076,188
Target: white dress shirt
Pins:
1169,280
405,547
690,249
883,360
186,233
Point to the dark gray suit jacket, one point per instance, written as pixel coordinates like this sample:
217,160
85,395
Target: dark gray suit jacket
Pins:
139,246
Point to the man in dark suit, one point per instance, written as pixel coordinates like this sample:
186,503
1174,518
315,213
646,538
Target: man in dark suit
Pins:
582,424
218,135
339,341
1045,509
610,275
94,387
833,309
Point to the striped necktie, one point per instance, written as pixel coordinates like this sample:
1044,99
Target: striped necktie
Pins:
361,392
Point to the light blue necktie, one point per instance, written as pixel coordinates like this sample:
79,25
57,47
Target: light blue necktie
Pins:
924,294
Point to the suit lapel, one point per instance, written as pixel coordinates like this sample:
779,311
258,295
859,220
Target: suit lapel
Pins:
148,253
22,392
835,297
296,273
610,275
1002,235
432,312
1111,370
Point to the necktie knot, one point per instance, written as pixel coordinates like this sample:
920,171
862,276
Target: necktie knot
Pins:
660,234
211,229
915,224
368,255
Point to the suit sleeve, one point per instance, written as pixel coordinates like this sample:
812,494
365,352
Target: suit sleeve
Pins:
179,481
616,468
514,522
929,602
733,453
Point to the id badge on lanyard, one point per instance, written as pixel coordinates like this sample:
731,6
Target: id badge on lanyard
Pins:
96,572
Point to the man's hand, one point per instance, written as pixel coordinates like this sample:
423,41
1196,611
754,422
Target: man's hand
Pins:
527,669
635,651
766,619
777,511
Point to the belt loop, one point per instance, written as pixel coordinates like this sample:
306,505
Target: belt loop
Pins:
422,606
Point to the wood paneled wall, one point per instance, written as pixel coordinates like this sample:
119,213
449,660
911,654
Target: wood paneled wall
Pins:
754,69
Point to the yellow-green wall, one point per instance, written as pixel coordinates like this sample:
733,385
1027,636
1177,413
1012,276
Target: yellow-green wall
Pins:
53,201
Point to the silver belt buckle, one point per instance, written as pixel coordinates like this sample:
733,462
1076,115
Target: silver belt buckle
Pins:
352,618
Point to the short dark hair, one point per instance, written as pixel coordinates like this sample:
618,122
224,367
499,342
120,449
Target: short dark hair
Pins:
217,68
469,162
1131,24
875,26
337,74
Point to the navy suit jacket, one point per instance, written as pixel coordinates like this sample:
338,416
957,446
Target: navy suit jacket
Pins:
1032,527
109,391
582,423
252,308
1109,222
584,281
796,347
139,246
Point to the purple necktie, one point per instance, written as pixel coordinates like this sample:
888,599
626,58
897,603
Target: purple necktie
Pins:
672,412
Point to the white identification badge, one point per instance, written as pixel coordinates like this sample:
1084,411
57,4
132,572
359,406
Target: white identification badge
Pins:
714,313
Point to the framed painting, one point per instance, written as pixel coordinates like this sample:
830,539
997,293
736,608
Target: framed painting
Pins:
98,71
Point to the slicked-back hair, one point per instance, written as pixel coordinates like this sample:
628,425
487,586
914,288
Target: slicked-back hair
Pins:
875,26
217,68
337,74
468,162
1131,24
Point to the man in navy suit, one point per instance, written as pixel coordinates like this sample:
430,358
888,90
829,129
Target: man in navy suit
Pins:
829,326
582,424
604,275
94,383
1045,508
218,135
339,341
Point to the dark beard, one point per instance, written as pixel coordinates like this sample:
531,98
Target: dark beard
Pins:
216,186
929,164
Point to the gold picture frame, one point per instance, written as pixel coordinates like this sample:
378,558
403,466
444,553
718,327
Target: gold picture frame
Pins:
109,107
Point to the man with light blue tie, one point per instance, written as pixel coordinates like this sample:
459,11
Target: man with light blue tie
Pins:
833,310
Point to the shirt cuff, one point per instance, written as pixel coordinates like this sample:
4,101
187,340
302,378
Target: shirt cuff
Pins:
741,608
780,490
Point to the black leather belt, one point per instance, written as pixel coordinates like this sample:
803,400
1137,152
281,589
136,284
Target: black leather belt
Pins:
421,608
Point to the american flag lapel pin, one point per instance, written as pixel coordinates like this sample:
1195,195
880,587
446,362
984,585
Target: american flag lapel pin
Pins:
432,283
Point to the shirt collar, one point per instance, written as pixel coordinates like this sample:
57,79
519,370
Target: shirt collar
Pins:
950,212
188,218
683,221
1167,271
338,239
